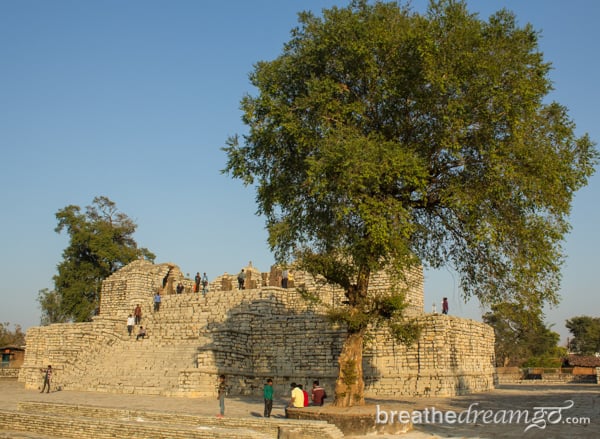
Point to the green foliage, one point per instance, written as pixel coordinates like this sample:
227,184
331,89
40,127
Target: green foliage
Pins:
586,334
11,338
390,306
521,334
406,332
311,297
101,242
393,138
378,310
353,319
552,359
382,138
389,310
52,311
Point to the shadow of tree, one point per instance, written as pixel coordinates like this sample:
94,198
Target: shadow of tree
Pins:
278,336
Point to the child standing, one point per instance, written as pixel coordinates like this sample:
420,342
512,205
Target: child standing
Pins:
268,395
222,390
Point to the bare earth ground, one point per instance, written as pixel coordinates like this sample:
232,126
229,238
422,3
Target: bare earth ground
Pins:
484,415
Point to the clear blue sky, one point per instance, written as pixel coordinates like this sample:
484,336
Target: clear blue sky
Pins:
133,100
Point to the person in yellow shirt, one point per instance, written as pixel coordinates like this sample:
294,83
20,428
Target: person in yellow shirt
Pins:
297,396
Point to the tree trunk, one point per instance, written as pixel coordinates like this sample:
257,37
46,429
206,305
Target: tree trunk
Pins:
350,386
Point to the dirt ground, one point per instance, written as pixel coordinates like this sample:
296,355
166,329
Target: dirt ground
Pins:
553,411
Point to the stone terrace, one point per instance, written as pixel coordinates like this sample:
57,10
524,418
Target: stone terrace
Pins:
249,335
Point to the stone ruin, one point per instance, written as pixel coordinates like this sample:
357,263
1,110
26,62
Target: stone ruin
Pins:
263,331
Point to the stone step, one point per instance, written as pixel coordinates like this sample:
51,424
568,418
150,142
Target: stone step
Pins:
12,434
257,428
69,426
141,366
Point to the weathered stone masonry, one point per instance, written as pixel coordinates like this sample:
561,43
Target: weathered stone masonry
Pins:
249,335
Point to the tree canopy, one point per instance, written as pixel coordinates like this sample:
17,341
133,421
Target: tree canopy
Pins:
586,334
100,242
384,138
15,337
521,334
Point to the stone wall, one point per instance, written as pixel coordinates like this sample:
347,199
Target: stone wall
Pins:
134,283
68,347
249,335
453,356
9,372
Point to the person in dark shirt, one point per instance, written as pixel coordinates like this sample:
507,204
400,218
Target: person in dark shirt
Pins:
197,282
222,391
47,378
137,313
318,393
241,280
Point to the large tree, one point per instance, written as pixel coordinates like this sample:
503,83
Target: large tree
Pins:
100,242
586,334
382,138
521,334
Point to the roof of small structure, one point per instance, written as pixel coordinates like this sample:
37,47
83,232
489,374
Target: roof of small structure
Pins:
584,360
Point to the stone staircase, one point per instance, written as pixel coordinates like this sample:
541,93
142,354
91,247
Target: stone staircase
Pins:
142,366
39,420
151,365
187,345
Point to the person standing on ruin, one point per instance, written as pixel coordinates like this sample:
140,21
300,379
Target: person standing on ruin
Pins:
157,300
221,392
284,278
179,288
204,283
137,314
241,279
130,324
47,378
268,396
445,305
197,281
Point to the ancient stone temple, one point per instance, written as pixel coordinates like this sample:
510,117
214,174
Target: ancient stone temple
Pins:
263,331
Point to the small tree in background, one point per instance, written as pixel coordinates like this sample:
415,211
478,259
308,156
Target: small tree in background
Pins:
384,139
522,337
11,338
50,304
586,334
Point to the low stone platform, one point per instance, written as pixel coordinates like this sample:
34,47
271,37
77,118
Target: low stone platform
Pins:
352,421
